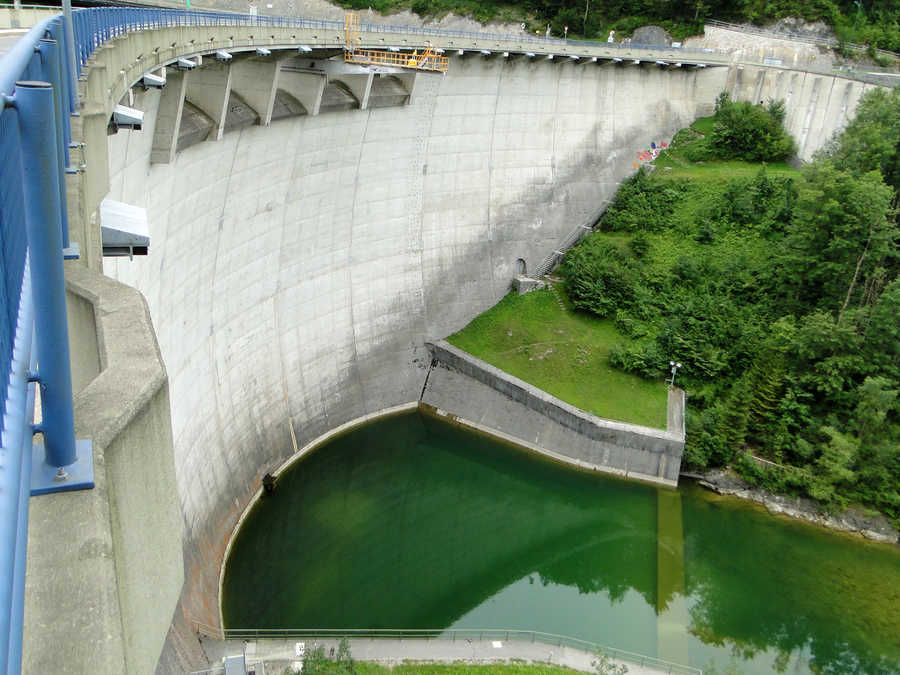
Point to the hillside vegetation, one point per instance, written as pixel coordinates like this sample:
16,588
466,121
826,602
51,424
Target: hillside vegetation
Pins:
870,22
779,291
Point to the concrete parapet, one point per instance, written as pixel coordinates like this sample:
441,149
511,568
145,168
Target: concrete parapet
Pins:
105,566
630,450
24,17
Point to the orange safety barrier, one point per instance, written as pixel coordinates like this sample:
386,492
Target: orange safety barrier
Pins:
427,60
351,31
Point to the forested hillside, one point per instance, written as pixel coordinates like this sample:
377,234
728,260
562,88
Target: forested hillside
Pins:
872,22
778,291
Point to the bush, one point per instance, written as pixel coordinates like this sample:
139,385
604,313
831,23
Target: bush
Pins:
644,359
642,205
753,133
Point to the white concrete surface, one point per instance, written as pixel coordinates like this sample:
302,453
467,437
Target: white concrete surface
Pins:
296,270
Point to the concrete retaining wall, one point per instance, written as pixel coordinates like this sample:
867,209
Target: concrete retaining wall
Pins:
25,17
543,422
106,566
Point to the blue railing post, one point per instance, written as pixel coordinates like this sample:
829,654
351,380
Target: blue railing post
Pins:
41,174
69,51
49,50
40,171
17,610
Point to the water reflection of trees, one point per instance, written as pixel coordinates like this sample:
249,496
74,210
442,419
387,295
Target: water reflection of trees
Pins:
416,534
755,584
419,533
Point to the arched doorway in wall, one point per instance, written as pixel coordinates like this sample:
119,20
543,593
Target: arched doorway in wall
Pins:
521,269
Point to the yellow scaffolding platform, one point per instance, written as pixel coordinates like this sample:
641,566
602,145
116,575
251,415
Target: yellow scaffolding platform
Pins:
428,59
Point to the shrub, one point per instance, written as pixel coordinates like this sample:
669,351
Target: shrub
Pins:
750,132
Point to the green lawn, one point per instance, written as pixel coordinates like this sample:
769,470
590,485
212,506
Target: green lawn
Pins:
457,668
672,165
669,165
564,353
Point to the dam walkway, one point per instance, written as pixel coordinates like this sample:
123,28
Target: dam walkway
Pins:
471,647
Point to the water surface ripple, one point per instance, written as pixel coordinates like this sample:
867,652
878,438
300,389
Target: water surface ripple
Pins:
408,522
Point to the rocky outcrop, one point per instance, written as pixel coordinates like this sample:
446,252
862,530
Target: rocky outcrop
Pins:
875,527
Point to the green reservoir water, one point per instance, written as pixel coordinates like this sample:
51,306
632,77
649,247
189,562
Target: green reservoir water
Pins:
409,522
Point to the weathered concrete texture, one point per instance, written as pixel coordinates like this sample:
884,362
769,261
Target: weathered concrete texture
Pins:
105,599
752,47
84,350
476,391
295,271
26,17
524,284
817,106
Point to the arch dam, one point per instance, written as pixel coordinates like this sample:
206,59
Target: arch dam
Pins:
313,223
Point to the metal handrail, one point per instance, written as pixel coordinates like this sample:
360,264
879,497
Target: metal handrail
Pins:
452,634
35,103
96,26
792,37
93,27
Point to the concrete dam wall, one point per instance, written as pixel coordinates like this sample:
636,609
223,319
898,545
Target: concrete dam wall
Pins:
297,269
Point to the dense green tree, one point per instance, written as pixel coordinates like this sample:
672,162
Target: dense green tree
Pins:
752,132
782,301
871,140
882,334
839,232
832,469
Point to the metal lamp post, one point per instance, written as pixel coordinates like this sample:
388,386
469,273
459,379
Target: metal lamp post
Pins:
675,366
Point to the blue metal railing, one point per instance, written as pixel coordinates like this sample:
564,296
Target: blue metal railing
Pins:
93,27
36,99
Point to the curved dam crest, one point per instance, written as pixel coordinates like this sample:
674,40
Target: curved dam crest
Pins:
296,270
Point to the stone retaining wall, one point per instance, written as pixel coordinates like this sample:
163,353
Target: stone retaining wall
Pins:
532,417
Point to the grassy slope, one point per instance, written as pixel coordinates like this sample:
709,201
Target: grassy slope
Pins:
565,353
539,337
365,668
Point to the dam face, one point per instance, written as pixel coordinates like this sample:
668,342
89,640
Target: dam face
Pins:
296,270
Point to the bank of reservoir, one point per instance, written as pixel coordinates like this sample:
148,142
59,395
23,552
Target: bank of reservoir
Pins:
409,522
